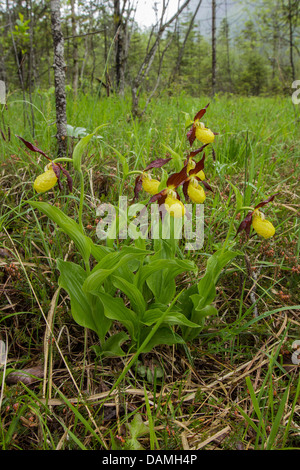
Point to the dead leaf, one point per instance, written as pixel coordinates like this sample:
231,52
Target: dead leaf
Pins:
4,253
27,376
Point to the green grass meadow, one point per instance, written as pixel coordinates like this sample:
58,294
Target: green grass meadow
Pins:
234,387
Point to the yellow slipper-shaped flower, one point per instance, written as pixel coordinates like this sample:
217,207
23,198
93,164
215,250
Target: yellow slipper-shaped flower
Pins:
45,181
150,185
195,192
174,207
206,136
263,227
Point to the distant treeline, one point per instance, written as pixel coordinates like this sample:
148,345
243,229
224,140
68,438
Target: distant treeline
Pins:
105,49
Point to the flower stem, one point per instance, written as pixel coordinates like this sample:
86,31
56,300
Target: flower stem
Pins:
146,341
81,201
62,159
232,223
134,172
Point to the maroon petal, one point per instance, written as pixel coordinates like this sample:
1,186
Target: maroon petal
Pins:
3,136
263,203
137,187
69,178
59,183
206,185
56,169
213,154
32,147
198,167
157,163
191,135
177,178
201,113
195,152
184,189
245,224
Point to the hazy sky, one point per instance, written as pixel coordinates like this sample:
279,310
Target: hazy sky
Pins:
145,15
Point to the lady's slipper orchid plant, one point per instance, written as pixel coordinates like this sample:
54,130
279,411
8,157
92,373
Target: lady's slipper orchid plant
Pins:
189,177
195,174
145,181
149,305
47,180
199,131
169,198
257,220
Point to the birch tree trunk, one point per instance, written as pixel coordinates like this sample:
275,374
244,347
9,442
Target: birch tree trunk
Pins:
59,77
291,40
176,69
122,38
75,49
214,57
150,54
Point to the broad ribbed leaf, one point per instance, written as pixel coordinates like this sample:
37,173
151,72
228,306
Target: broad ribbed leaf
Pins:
32,147
137,301
151,316
207,292
218,261
86,310
163,335
80,148
68,226
114,309
112,346
160,275
115,262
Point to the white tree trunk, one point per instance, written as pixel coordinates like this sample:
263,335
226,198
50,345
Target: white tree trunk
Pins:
59,77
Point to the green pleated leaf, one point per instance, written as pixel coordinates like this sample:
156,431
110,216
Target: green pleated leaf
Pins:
112,346
160,276
151,316
163,335
137,301
114,309
116,262
67,225
86,310
80,148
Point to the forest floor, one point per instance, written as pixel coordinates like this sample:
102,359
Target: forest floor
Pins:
236,385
